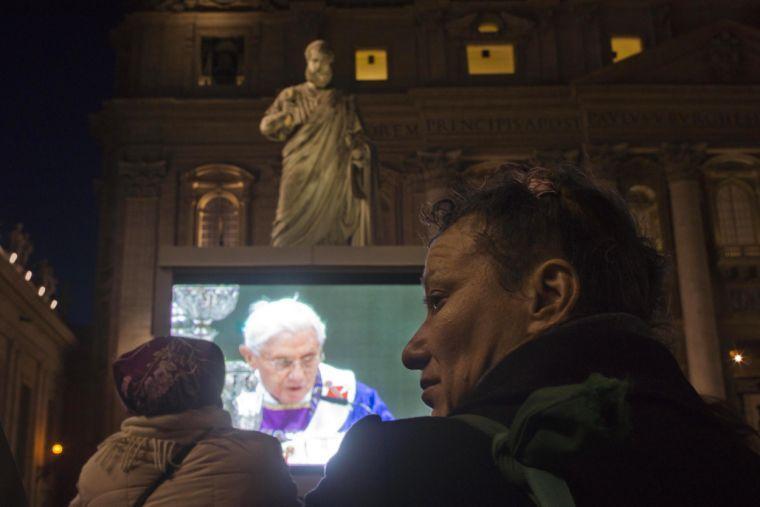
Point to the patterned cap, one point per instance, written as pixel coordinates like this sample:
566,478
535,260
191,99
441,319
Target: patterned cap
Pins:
168,375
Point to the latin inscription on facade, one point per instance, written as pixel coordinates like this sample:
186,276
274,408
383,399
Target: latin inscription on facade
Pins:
493,125
687,119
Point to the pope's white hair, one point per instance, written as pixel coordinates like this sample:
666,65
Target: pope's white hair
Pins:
269,318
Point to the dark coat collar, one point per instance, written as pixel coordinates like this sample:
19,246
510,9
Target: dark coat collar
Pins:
615,344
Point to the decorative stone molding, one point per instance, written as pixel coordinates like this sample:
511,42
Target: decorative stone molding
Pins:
682,161
142,179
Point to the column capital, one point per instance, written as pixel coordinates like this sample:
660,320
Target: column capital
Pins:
601,160
435,165
682,161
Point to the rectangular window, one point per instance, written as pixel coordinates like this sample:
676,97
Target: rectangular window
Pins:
371,64
485,59
624,46
222,61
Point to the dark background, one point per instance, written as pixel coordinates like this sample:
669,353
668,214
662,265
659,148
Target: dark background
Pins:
58,67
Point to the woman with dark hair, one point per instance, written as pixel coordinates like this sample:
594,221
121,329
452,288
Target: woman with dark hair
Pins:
539,361
179,447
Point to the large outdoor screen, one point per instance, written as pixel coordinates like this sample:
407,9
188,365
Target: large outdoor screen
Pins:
283,381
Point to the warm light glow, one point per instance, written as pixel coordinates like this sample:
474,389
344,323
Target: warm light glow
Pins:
737,357
54,304
490,59
57,449
488,27
12,259
41,291
371,64
625,46
28,276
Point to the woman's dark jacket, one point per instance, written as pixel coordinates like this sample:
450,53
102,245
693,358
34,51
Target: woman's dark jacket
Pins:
677,452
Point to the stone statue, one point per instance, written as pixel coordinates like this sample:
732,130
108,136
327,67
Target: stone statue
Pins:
21,244
47,277
328,184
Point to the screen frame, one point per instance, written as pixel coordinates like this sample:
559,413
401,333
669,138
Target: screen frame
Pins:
374,265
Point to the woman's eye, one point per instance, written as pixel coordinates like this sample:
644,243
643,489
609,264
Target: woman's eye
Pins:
434,302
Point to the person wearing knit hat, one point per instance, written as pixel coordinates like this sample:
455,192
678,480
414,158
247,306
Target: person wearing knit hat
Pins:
178,446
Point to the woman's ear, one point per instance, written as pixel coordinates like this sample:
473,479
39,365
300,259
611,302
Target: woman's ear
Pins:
554,287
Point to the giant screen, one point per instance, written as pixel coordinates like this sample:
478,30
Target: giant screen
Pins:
288,379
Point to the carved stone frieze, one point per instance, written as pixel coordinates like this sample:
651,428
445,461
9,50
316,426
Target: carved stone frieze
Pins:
682,160
142,179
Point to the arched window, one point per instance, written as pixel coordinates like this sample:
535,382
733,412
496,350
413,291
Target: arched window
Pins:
216,206
736,217
642,201
218,220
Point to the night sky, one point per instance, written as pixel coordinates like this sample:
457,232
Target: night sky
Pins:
58,67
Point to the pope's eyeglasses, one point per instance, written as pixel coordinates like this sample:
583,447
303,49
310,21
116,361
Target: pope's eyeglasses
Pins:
283,364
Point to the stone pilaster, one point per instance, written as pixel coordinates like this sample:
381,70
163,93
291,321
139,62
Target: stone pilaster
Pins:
140,185
681,163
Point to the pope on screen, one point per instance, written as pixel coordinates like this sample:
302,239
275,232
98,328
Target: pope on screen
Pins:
295,396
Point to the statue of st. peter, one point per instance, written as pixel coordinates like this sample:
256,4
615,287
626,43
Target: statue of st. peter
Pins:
328,184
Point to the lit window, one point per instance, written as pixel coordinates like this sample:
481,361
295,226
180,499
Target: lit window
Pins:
218,223
625,46
490,59
371,65
735,217
488,27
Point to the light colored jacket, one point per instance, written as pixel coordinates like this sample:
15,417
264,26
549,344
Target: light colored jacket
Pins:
228,467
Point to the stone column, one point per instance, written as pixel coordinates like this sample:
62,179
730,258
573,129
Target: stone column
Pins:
703,352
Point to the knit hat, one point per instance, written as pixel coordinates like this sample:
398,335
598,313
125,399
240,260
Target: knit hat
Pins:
168,375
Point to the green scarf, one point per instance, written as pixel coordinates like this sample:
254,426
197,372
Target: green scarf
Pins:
552,429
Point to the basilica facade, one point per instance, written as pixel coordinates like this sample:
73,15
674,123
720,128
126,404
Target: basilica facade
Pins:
658,99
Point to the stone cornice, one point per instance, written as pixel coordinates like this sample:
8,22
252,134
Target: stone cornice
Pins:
14,286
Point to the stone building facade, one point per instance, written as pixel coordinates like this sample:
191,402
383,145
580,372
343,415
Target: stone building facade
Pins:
33,342
674,127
